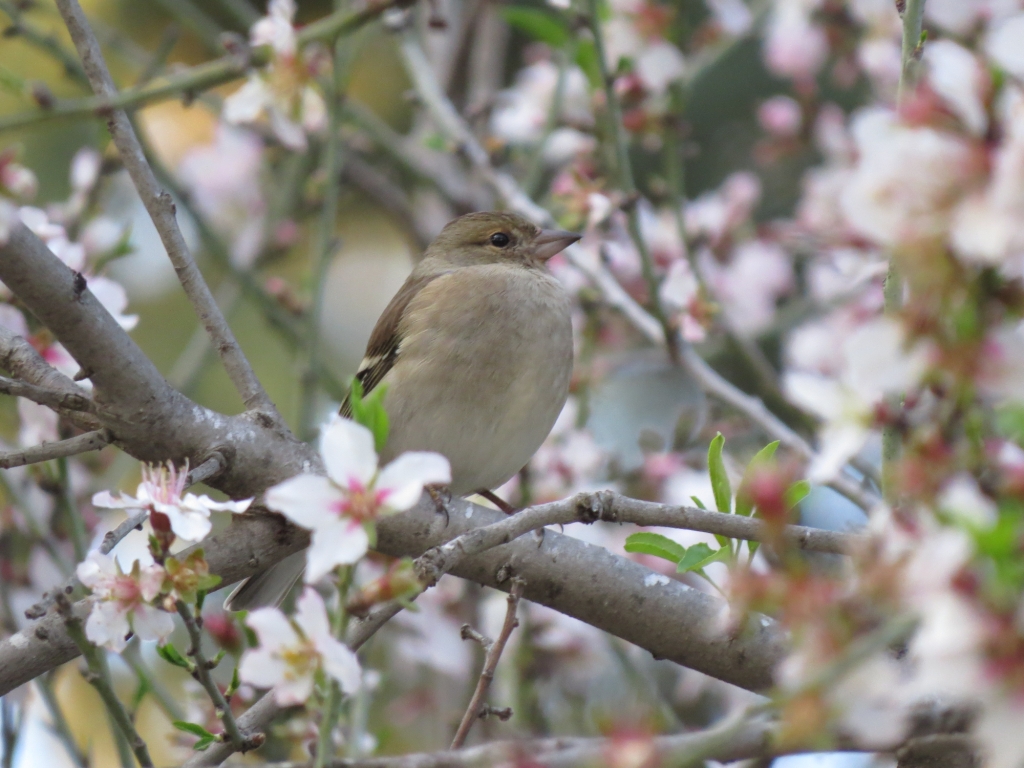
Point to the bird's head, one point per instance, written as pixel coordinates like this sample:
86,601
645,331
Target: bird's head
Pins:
496,237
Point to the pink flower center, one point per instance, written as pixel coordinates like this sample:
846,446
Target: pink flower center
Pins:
126,591
360,503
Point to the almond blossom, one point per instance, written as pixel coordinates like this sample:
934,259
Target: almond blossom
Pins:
340,508
292,651
123,601
161,492
282,92
875,362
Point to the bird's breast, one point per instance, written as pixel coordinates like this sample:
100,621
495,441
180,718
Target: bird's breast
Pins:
484,376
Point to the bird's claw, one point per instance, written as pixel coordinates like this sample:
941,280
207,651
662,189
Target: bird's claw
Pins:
441,495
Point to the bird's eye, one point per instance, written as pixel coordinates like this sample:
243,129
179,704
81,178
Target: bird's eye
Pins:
500,239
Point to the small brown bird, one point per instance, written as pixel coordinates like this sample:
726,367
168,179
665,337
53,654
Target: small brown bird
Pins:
476,352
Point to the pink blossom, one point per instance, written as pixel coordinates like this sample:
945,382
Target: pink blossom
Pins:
781,116
338,508
906,179
794,47
961,81
122,602
161,491
291,651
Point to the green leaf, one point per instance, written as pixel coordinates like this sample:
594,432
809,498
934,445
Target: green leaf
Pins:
719,479
698,556
796,493
233,685
369,411
655,544
744,505
205,737
537,24
586,59
171,655
699,503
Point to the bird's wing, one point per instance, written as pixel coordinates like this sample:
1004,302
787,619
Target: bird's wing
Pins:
383,347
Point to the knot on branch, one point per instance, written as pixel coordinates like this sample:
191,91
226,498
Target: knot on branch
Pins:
591,507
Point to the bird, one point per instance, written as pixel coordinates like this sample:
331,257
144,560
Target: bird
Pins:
476,352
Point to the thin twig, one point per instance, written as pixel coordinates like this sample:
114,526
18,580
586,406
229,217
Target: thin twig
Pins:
90,441
161,209
627,183
99,676
494,650
203,667
892,288
201,77
51,398
610,507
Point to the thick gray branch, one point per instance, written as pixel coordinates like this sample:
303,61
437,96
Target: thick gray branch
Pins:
146,416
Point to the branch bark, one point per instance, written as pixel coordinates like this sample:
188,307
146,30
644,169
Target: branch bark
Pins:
90,441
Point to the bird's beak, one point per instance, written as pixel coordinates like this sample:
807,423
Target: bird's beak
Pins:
552,241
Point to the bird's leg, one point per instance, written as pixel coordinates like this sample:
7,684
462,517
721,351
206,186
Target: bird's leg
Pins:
497,501
441,495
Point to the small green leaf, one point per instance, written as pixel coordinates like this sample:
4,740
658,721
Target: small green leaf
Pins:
369,411
699,503
537,24
171,655
744,505
719,478
205,737
698,556
233,685
796,493
655,544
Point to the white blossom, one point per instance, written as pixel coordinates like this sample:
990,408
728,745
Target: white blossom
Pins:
122,601
161,491
337,508
290,652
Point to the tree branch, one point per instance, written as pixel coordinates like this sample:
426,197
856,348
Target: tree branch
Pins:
731,741
51,398
494,650
162,211
148,419
90,441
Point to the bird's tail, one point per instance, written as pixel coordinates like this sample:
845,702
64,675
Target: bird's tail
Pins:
268,588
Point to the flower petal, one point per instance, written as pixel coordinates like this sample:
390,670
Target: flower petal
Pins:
191,501
96,570
343,542
187,524
306,500
107,625
403,479
151,623
348,452
340,663
272,628
294,690
108,501
262,668
311,614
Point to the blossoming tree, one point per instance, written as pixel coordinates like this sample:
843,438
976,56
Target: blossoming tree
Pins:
782,511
